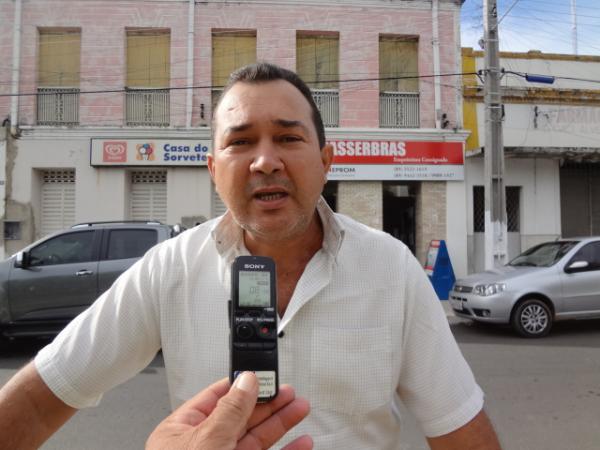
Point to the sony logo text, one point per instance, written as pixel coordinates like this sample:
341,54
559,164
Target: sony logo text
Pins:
254,266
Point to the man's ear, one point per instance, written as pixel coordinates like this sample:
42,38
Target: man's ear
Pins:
327,158
210,163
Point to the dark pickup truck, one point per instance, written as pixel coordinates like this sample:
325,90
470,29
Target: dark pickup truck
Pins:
44,286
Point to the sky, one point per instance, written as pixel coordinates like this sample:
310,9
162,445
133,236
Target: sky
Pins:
544,25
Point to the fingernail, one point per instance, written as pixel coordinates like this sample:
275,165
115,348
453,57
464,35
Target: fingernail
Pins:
245,382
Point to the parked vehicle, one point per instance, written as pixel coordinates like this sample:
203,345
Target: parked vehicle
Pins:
44,286
549,282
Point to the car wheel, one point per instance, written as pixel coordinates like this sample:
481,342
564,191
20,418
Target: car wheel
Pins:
532,318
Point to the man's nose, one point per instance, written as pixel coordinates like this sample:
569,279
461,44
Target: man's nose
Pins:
266,159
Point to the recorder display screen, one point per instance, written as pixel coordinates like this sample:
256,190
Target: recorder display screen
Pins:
254,289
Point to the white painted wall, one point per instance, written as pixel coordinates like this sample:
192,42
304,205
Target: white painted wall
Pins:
101,193
558,126
541,66
539,180
188,193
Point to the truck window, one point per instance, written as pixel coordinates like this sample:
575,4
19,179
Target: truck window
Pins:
68,248
123,244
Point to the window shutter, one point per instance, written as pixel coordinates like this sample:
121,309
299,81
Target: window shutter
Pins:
59,58
148,59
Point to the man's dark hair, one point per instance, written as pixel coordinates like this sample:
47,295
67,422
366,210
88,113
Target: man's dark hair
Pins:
263,72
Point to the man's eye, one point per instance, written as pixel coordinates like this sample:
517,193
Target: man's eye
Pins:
291,138
238,142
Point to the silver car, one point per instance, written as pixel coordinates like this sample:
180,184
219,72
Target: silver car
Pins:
551,281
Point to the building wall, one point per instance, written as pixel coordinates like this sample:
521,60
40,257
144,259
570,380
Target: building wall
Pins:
103,193
6,47
430,215
540,202
363,201
544,125
103,29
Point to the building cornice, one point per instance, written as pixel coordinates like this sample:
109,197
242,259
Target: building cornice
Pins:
386,4
538,95
39,132
533,54
409,134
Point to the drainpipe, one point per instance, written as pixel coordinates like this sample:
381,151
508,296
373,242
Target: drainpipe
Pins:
190,65
16,62
435,42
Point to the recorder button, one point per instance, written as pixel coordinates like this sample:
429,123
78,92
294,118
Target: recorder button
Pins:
255,346
244,331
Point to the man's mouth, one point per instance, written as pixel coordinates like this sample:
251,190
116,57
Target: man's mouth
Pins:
270,196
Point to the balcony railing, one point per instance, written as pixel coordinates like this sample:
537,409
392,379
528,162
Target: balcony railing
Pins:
58,106
147,107
399,110
328,102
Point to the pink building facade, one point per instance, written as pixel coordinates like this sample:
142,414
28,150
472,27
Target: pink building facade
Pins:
371,184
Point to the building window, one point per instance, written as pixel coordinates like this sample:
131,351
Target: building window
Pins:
148,199
12,230
513,209
58,200
147,96
317,59
231,49
398,85
59,55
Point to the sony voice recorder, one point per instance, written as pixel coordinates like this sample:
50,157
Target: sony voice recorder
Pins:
253,322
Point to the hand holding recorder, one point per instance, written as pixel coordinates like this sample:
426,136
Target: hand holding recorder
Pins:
220,418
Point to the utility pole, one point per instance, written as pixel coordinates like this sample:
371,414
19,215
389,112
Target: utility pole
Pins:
495,195
574,25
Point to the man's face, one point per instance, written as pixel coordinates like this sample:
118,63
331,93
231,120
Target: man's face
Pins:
266,164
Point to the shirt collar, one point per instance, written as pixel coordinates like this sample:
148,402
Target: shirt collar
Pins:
228,235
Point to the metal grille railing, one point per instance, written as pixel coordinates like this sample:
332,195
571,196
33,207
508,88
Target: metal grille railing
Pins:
399,110
513,209
58,106
478,209
147,107
328,102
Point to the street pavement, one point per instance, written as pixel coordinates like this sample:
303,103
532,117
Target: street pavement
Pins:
540,393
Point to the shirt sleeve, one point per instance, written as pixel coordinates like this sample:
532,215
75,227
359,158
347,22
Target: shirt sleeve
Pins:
435,383
108,343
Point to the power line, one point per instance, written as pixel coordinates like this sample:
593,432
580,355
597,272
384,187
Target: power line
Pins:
349,80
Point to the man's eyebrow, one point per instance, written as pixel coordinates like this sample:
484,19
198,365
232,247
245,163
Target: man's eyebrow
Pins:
291,124
237,128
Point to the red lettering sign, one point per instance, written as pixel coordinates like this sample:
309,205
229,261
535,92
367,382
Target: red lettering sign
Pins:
356,151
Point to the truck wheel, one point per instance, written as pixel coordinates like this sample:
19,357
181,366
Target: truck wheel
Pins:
532,318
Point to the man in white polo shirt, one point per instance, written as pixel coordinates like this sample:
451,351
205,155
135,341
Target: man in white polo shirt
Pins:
360,324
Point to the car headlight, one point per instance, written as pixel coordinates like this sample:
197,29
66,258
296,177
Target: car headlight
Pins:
485,290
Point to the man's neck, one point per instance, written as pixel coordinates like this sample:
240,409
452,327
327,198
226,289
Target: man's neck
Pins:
300,247
291,257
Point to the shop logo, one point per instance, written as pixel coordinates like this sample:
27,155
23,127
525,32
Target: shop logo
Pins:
114,152
145,152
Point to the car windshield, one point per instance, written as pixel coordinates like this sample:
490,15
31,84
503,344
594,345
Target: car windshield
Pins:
543,255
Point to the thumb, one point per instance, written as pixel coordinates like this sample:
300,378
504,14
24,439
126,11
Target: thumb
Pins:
234,409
